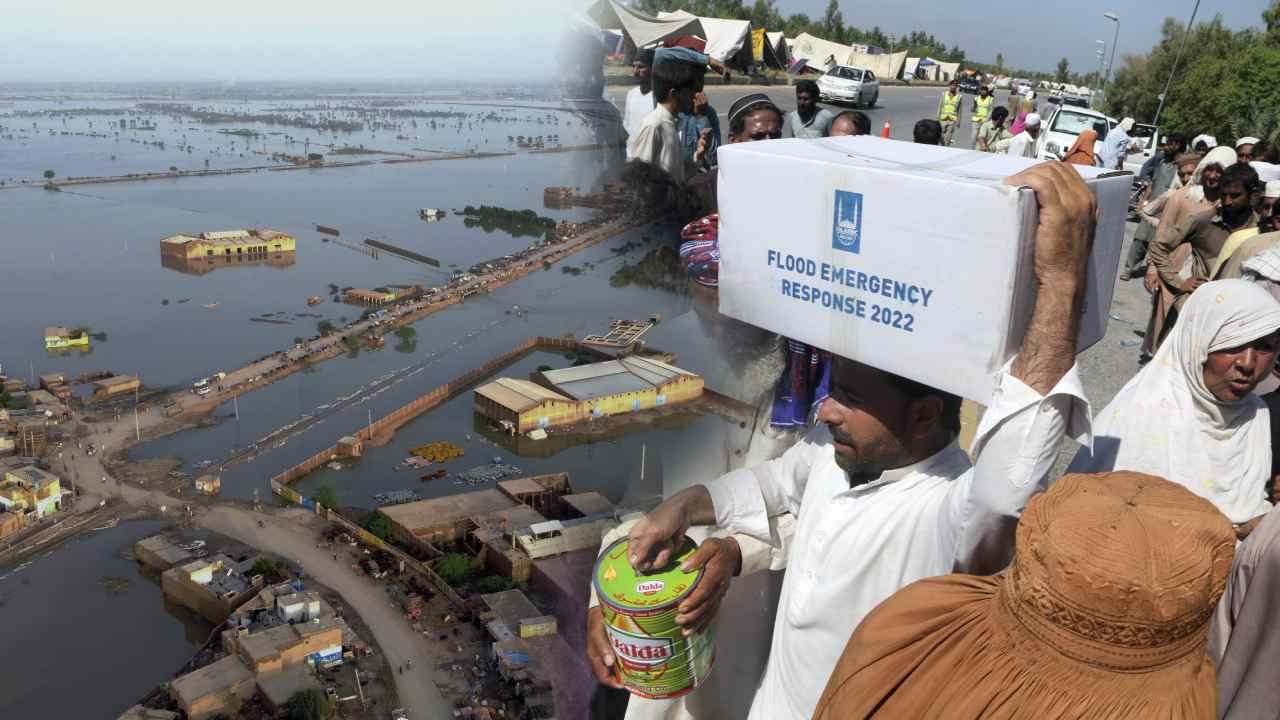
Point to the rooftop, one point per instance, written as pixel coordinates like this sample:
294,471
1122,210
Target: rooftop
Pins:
589,503
137,712
115,380
518,395
280,686
612,377
426,514
216,676
32,476
534,485
511,607
520,516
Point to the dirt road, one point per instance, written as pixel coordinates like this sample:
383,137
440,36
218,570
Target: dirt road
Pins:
288,534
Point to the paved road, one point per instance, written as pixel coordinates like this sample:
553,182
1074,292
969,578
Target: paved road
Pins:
285,534
902,106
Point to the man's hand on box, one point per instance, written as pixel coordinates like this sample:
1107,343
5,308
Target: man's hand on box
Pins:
1068,212
721,559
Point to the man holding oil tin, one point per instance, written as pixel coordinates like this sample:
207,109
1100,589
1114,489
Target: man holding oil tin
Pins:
881,492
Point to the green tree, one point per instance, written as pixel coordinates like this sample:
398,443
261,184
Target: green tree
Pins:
326,496
1064,70
764,14
266,567
309,704
325,328
379,525
1000,61
453,568
1271,20
48,174
833,22
406,333
493,584
1235,95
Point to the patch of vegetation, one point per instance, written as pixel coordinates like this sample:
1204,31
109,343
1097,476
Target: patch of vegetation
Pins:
570,270
493,584
379,525
326,496
406,333
454,568
309,704
517,223
270,569
325,328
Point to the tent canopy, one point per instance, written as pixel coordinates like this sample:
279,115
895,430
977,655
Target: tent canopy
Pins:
824,53
778,42
724,38
639,28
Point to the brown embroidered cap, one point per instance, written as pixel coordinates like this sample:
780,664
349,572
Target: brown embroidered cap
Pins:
1103,614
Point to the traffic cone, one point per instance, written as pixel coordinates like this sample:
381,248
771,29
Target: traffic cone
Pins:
885,132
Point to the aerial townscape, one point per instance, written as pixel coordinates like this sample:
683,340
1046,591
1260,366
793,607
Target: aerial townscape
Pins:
640,359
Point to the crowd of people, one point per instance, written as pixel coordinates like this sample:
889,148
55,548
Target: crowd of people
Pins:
924,581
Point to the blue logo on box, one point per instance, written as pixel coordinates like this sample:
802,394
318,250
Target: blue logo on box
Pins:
846,228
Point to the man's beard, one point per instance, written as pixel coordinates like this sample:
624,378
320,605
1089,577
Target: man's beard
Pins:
862,470
646,85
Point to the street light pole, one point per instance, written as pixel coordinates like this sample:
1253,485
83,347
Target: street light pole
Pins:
1176,58
1102,57
1115,41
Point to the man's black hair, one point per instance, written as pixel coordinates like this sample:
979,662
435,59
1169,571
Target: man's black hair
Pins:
928,132
807,86
950,417
644,57
859,119
670,76
1000,114
1242,173
1178,139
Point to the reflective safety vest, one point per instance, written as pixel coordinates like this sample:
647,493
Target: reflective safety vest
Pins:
950,107
982,109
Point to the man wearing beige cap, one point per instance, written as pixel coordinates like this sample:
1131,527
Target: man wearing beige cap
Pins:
1244,149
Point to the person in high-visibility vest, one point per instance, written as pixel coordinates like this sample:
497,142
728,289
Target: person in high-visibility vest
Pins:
981,111
949,112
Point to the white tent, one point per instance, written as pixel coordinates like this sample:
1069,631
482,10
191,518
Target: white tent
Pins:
724,38
639,28
820,54
884,65
948,71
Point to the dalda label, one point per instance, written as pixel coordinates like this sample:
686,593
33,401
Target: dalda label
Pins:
640,650
650,587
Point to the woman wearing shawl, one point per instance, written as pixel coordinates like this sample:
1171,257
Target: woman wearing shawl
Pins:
1081,152
1020,123
1191,415
1200,194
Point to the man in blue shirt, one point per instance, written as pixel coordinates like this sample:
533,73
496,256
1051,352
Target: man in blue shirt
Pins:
693,126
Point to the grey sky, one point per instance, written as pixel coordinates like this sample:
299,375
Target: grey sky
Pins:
1033,34
230,40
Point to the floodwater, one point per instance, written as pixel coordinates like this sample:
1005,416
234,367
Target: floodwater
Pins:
76,649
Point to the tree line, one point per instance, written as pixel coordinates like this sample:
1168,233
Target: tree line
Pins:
1227,83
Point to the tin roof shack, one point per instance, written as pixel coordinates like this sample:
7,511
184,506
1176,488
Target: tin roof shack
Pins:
520,406
212,586
159,553
442,520
31,492
492,539
526,647
114,386
521,618
540,492
298,606
216,688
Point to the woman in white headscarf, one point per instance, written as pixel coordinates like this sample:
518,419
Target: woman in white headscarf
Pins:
1191,415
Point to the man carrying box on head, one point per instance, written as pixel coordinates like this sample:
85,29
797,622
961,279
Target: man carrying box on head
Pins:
881,493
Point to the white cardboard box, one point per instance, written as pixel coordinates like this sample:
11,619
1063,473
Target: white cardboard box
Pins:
914,259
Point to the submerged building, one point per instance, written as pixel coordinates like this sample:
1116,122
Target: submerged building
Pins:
572,395
227,242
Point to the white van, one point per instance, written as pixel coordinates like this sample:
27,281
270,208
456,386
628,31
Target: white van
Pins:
1064,125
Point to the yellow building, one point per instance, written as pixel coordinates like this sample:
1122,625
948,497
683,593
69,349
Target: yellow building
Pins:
58,337
31,492
572,395
227,243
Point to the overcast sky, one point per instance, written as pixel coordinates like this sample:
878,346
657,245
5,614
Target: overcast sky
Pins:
1033,34
231,40
238,40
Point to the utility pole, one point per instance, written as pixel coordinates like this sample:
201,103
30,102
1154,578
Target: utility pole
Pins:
1176,59
137,428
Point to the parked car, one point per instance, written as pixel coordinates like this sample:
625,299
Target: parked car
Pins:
849,84
970,83
1022,86
1064,125
1148,138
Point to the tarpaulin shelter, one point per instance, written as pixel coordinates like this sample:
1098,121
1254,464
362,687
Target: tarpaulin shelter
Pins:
948,71
641,30
764,52
824,53
728,41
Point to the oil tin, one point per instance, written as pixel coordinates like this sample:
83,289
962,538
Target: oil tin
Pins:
654,659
